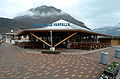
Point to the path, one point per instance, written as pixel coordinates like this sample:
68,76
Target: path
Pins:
15,64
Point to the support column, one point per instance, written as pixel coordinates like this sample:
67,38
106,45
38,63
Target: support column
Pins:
51,38
86,38
94,38
90,38
97,38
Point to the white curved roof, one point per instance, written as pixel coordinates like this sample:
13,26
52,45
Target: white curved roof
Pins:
71,26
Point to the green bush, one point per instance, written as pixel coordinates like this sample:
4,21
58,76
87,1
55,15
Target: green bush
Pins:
50,52
112,66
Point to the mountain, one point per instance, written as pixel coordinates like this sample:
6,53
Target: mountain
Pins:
47,14
109,30
39,15
9,24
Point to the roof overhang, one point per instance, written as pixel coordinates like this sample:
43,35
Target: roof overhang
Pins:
23,32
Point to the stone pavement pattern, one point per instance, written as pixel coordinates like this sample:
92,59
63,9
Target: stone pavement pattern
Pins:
96,55
15,64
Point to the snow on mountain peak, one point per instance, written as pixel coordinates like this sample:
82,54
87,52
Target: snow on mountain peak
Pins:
118,25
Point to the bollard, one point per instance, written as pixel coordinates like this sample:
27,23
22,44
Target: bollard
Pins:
117,53
104,58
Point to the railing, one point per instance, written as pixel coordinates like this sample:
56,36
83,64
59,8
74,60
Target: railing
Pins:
29,44
89,46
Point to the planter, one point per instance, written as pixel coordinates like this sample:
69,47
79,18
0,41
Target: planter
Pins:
50,52
104,76
112,69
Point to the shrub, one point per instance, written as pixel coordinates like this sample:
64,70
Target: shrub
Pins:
50,52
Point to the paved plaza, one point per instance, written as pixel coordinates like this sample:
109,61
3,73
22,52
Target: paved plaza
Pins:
18,64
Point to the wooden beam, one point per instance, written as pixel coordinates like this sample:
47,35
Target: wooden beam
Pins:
40,39
65,39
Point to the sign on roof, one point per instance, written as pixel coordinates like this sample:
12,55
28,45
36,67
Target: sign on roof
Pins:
54,24
57,23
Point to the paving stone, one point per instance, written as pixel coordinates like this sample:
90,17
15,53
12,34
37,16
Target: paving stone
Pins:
20,65
93,76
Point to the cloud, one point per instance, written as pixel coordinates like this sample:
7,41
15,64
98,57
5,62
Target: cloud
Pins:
9,8
99,13
94,13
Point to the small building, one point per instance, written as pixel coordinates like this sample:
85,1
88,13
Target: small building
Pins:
112,40
63,34
115,41
8,37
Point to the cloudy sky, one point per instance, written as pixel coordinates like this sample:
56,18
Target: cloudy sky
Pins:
94,13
